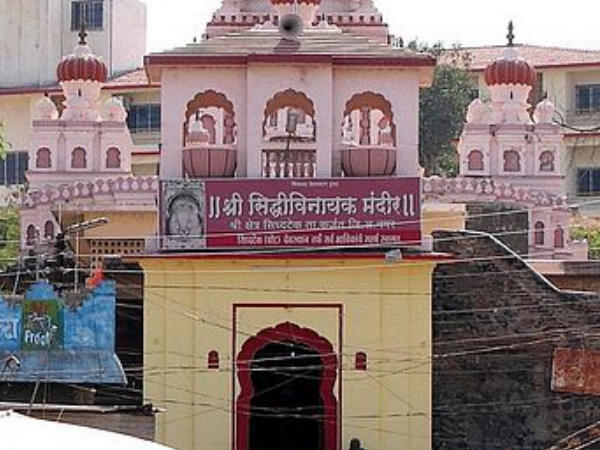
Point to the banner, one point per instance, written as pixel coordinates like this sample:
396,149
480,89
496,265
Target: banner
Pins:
291,213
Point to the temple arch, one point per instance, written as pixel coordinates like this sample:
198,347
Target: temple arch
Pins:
302,344
369,120
219,108
283,104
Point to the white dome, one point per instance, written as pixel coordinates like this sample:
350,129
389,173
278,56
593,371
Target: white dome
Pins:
45,109
477,112
113,110
544,112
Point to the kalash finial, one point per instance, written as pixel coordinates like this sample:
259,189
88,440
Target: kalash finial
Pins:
511,34
83,35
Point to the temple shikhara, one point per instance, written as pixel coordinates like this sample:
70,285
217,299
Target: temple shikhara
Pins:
282,242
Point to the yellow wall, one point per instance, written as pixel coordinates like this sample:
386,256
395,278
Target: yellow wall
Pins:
443,216
387,313
123,225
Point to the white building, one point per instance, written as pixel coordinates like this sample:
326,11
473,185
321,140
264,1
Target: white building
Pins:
35,35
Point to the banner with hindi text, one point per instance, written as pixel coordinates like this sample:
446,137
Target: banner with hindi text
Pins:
290,213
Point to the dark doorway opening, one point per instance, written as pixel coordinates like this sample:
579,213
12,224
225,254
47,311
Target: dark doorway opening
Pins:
287,410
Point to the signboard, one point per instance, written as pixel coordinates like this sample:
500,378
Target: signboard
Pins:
42,325
576,371
290,213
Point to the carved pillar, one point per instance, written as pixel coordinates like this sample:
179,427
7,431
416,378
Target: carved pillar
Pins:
365,126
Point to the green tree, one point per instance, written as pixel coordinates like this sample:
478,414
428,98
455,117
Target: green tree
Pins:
443,108
9,220
9,236
591,233
4,145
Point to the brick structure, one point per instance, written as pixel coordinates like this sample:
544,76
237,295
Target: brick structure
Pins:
509,223
496,325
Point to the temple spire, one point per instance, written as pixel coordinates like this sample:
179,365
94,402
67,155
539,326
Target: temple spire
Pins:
511,34
83,35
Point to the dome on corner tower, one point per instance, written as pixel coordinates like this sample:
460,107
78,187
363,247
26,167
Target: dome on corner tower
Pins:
82,65
509,68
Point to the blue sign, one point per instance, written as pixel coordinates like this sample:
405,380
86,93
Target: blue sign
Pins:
61,342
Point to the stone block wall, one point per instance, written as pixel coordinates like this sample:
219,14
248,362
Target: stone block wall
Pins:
496,324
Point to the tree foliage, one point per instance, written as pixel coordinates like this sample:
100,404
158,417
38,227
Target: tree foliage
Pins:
591,233
443,108
9,236
4,145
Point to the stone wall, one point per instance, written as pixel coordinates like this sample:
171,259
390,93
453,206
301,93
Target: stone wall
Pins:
496,324
508,222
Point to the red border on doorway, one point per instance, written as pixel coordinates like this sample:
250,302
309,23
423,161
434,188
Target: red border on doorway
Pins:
287,331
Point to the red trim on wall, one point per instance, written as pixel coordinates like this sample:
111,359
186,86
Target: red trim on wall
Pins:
583,134
286,331
293,256
343,60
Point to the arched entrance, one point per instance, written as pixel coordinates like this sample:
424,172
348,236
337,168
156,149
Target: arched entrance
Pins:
287,375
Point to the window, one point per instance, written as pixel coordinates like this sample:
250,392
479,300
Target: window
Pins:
547,162
49,230
90,12
538,234
13,168
78,159
30,235
476,161
512,161
587,98
113,158
588,181
559,237
43,159
144,118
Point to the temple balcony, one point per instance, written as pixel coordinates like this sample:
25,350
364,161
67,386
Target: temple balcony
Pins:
209,161
368,161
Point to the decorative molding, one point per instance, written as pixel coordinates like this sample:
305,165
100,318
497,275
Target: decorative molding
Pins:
464,189
89,190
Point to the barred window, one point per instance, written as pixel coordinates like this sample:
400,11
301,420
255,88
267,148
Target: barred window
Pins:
144,118
88,12
13,168
587,98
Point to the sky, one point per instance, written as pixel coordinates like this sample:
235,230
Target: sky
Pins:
574,24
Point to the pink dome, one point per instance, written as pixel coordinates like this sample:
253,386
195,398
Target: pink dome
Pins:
86,68
82,65
509,69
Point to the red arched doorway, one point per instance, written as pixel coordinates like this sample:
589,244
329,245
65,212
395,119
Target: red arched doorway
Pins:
306,347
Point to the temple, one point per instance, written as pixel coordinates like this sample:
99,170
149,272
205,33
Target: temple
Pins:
81,165
286,280
511,152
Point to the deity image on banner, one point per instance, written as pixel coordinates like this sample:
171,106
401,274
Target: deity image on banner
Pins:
184,215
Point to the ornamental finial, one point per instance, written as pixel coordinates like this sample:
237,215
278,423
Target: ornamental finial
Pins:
511,34
83,35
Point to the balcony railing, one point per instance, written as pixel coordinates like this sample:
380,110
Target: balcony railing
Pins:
289,163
